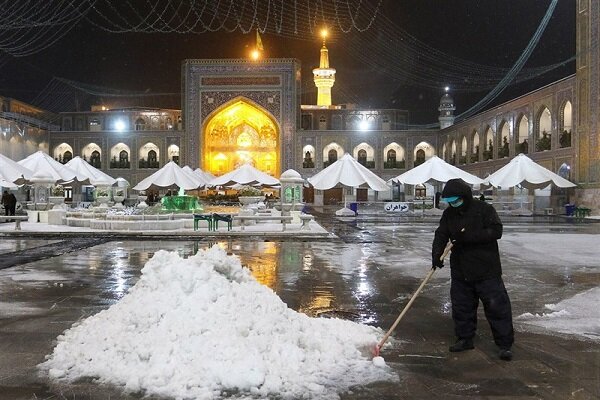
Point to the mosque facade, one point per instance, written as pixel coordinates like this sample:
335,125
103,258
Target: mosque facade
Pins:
236,111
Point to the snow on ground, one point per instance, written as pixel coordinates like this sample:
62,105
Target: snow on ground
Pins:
579,315
202,326
557,248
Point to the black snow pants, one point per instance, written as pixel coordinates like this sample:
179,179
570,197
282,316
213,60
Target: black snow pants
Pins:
465,298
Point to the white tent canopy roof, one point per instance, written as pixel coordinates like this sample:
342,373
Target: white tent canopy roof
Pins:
349,172
245,175
168,176
42,162
7,184
11,171
194,176
435,169
86,172
207,176
523,171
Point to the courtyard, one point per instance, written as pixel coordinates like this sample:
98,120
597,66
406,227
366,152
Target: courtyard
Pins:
365,273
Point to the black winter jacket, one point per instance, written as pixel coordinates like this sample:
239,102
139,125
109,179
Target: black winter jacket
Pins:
476,256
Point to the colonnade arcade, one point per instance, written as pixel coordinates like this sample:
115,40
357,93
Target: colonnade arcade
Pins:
393,155
513,136
119,155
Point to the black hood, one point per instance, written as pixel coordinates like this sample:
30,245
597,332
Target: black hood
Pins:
457,187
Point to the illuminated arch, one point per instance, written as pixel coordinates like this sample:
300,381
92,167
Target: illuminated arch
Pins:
423,152
63,152
566,125
92,153
475,146
240,132
504,140
364,154
149,156
308,156
544,130
328,151
173,153
120,155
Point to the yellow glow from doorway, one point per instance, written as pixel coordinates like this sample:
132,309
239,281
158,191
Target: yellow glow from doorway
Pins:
240,133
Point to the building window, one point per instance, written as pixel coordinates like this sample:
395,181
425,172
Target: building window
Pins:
336,122
140,124
306,122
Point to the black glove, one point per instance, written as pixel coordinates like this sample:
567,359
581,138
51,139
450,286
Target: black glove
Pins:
436,262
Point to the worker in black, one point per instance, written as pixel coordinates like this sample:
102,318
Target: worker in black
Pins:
473,227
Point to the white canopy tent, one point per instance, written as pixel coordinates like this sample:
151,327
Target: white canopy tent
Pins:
40,162
245,175
86,172
7,184
197,177
205,175
13,172
168,176
349,172
435,169
523,171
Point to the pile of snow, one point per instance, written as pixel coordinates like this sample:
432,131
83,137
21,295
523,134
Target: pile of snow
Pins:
202,327
579,315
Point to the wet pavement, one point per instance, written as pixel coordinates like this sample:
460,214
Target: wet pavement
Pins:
366,274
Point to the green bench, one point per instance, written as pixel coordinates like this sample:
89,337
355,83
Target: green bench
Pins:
203,217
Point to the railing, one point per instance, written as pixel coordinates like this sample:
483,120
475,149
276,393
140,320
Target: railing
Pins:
394,164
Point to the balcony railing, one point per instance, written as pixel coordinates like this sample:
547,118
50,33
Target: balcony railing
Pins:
114,164
394,164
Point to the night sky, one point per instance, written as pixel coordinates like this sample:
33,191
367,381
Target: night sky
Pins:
486,32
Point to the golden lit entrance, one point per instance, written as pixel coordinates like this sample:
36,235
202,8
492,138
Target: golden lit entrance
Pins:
240,133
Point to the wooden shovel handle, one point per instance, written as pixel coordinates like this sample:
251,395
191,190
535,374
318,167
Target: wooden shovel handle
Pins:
412,299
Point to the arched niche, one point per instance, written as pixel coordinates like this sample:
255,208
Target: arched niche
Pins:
240,132
488,152
365,155
331,153
475,145
63,153
92,153
543,133
394,156
566,125
308,156
149,156
522,134
423,152
173,153
120,156
504,140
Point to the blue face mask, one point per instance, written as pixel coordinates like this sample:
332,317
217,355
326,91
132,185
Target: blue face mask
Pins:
457,203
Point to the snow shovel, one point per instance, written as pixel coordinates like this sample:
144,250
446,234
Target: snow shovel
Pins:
412,299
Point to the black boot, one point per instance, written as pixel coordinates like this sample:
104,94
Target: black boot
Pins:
505,354
462,345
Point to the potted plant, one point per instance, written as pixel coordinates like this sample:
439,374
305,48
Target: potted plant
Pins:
102,196
118,197
249,195
57,195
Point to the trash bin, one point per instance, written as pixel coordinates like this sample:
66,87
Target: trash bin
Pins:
570,209
354,207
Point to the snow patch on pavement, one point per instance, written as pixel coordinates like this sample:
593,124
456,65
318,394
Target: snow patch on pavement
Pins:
201,327
579,315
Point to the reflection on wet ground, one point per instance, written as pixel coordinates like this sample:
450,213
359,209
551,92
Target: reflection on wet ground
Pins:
11,245
367,276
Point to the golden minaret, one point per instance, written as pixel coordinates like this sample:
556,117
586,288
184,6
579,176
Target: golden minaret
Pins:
324,76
